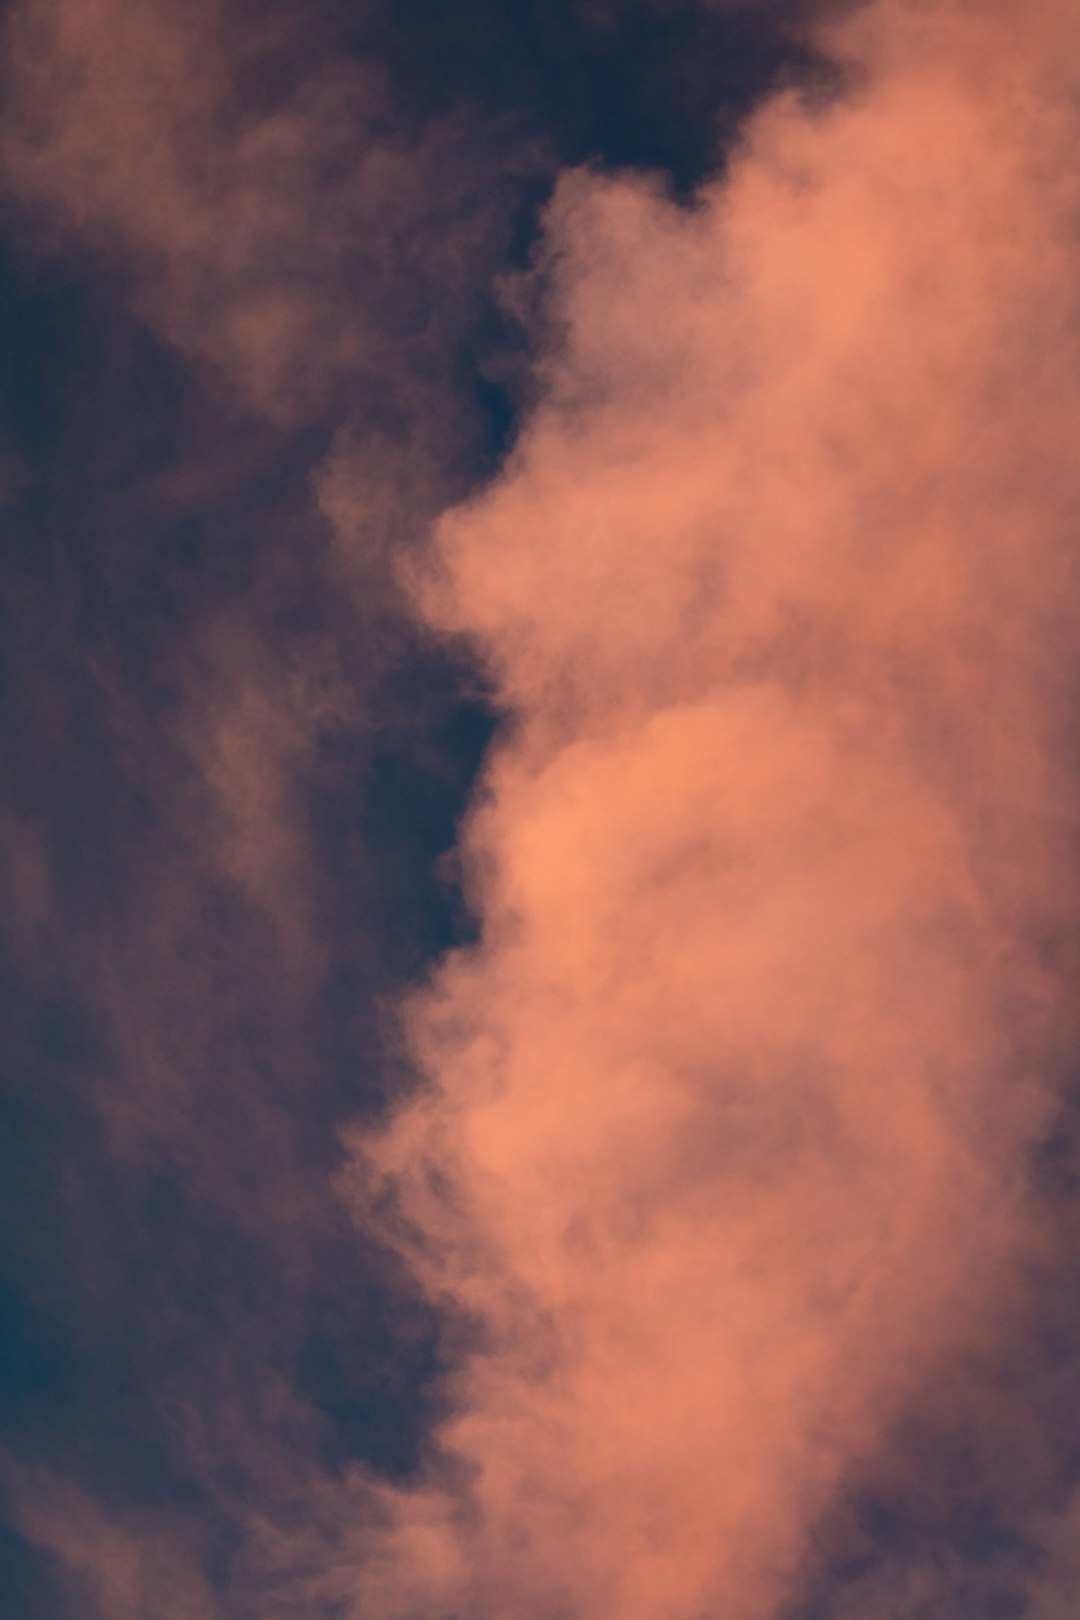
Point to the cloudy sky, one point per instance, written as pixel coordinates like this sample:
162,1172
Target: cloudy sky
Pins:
540,810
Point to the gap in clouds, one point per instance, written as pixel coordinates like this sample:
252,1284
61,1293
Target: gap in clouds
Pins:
654,84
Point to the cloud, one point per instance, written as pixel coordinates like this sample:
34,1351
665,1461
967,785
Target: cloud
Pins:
203,668
725,1157
316,255
726,1168
272,210
123,1574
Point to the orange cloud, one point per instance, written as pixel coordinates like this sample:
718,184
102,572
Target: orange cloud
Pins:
121,1573
272,213
281,224
723,1154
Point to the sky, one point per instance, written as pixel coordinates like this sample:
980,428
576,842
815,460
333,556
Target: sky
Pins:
539,810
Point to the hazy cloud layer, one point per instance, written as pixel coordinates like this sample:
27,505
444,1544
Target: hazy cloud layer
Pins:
222,735
273,213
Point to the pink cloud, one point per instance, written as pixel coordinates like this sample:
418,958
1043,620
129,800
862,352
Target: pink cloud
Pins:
724,1148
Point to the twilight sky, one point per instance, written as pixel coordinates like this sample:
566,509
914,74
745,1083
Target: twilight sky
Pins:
540,810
